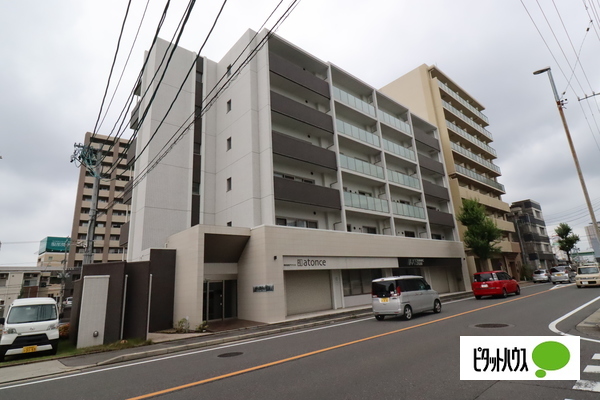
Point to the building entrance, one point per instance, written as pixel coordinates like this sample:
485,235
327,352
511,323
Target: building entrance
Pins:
220,300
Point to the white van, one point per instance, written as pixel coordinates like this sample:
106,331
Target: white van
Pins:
588,275
403,296
31,325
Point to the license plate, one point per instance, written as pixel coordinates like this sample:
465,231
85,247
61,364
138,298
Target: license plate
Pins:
384,300
584,283
484,285
29,349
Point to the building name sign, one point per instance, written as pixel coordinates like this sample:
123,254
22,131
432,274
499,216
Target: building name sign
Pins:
416,262
263,288
304,262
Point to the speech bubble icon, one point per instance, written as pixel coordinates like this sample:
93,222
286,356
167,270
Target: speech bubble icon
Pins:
550,356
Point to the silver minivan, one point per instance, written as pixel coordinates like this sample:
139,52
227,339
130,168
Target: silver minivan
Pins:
403,296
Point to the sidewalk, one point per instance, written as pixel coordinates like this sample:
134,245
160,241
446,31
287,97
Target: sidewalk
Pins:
169,343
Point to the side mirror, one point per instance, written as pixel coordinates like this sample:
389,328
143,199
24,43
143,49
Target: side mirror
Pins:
1,321
427,287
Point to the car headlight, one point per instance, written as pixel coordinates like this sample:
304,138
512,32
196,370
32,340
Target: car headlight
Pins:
10,331
51,327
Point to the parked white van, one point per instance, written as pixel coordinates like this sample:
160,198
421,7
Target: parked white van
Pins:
588,275
31,325
403,296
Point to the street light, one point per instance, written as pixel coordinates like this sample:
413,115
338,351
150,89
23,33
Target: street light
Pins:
560,104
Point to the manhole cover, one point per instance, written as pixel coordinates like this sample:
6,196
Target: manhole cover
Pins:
234,354
491,325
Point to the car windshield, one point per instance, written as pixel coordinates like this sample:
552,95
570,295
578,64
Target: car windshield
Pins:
588,270
483,277
32,313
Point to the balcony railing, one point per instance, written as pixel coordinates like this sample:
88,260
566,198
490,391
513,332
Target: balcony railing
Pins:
479,177
475,157
462,101
365,202
468,120
395,122
403,179
399,150
357,133
353,101
470,137
361,166
408,211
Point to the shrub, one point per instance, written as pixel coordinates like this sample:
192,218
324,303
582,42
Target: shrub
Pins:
63,331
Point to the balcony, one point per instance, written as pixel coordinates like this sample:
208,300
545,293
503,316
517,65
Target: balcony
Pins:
504,225
482,198
431,165
440,218
408,210
288,146
305,193
399,150
286,69
353,101
467,120
437,191
403,179
357,133
365,202
462,101
394,122
292,109
427,140
474,157
480,178
360,166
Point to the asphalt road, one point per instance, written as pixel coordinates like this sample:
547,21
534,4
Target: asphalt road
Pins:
357,359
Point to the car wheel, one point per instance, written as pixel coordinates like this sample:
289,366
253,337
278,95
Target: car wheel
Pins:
518,291
379,317
554,283
437,306
408,313
478,297
504,293
579,286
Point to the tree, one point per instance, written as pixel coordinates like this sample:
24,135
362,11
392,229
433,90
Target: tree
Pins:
567,240
482,233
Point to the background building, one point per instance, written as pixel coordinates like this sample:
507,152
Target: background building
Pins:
592,237
466,146
529,221
22,282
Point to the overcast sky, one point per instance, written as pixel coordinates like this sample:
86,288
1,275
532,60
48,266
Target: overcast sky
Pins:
56,58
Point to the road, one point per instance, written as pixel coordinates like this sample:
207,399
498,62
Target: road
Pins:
357,359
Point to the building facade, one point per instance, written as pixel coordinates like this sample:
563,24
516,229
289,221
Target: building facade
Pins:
22,282
113,212
291,191
593,241
530,225
466,147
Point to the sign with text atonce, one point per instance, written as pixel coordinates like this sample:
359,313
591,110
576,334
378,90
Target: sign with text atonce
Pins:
549,358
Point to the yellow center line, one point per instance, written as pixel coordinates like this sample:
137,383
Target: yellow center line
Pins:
256,368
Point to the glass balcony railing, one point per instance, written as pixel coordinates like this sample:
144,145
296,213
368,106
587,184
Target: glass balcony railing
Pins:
361,166
357,133
468,120
469,137
462,101
475,157
353,101
408,211
403,179
365,202
395,122
479,177
399,150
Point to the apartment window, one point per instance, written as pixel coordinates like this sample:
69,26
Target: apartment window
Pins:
229,223
409,234
228,184
293,178
228,105
100,224
365,193
369,229
98,237
116,225
436,236
301,223
114,237
228,143
197,148
358,281
82,236
195,187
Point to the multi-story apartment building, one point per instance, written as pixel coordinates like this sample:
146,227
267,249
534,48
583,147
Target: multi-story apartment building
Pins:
593,241
530,225
20,282
295,188
113,213
466,146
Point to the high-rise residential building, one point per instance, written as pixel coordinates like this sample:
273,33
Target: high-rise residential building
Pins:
291,191
113,213
467,150
593,241
530,225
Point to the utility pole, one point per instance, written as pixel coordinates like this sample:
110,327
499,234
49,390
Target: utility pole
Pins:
63,275
88,157
560,104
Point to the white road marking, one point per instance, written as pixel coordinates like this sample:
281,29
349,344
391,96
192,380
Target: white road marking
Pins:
590,386
596,356
595,369
562,285
553,324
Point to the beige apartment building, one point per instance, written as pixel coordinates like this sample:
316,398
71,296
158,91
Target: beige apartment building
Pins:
466,146
113,213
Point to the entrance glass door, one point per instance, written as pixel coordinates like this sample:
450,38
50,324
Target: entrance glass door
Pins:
215,300
220,300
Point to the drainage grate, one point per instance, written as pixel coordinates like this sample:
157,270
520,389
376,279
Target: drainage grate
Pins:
491,325
234,354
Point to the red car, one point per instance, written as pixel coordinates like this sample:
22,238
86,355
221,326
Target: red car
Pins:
494,283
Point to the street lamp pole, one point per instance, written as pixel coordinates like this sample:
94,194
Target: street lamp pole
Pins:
560,105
